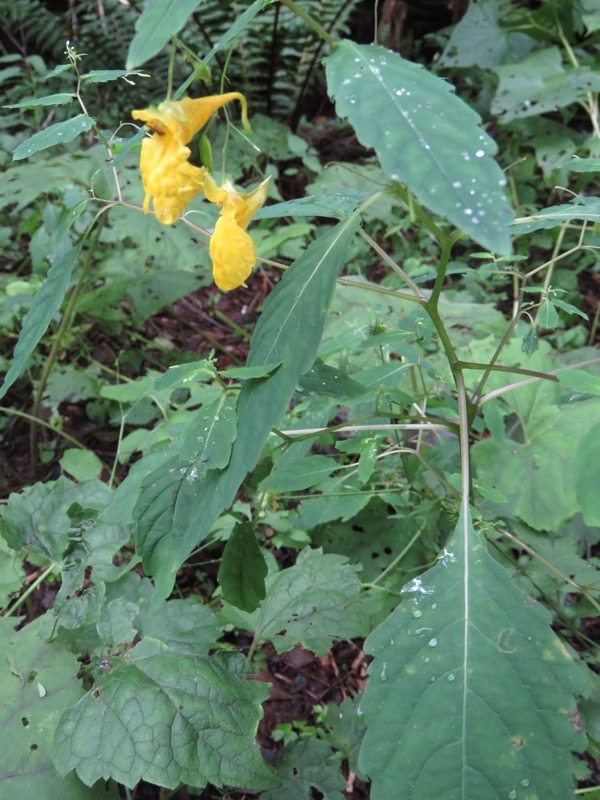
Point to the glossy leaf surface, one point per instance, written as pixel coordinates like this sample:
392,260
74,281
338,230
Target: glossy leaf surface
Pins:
471,695
425,137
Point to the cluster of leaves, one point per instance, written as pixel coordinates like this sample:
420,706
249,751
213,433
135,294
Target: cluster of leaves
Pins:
427,468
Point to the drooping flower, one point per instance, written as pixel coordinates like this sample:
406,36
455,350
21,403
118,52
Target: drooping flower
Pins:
231,247
167,175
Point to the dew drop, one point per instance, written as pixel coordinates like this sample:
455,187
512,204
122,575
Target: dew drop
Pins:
426,660
359,712
457,184
346,82
431,680
468,211
417,613
512,795
351,99
434,606
451,677
383,673
525,783
480,153
432,642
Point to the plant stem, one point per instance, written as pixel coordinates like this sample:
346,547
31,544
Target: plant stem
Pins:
391,263
312,24
63,328
396,560
29,591
464,423
45,424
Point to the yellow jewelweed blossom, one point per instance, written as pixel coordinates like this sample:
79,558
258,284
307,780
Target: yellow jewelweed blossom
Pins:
231,248
167,175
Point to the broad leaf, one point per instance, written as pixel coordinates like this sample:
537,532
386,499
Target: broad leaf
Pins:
425,137
465,667
37,680
60,133
309,604
243,569
241,21
586,472
164,507
45,305
305,766
293,476
480,41
50,100
321,379
107,75
168,718
539,83
537,475
157,23
289,331
328,204
586,208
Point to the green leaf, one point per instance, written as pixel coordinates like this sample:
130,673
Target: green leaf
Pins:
569,308
245,373
239,26
425,137
106,75
37,680
536,474
293,476
591,19
585,208
164,508
243,569
328,204
547,316
289,331
60,133
44,306
530,342
157,23
583,165
539,83
586,469
326,381
579,380
471,695
12,573
49,100
479,40
306,604
182,374
81,464
167,718
305,766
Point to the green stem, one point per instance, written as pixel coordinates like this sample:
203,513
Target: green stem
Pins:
170,70
420,215
29,591
447,243
63,328
396,560
312,24
391,263
464,422
513,370
44,424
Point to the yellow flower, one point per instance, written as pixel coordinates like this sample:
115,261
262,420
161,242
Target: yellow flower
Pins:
231,248
167,175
